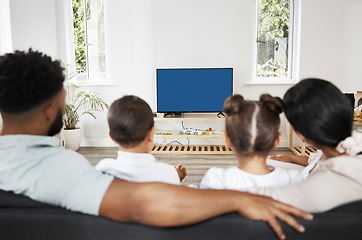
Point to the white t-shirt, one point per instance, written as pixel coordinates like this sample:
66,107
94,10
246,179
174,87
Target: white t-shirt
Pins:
236,179
139,167
37,167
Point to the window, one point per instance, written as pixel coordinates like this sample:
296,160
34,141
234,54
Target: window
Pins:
275,41
89,39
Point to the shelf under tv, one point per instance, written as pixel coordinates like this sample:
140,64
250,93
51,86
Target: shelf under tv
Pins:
191,149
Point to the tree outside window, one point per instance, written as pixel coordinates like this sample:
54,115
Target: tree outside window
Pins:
274,38
89,39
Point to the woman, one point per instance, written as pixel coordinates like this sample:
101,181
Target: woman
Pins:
322,116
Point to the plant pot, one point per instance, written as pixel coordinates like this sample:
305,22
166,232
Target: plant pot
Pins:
71,138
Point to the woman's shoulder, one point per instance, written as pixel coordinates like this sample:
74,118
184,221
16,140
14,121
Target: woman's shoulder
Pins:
348,166
357,159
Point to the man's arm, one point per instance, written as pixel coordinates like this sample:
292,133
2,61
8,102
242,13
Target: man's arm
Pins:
160,204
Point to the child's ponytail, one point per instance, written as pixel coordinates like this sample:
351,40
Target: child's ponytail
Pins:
252,126
274,104
234,104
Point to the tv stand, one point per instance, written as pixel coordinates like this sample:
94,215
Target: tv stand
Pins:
190,149
220,115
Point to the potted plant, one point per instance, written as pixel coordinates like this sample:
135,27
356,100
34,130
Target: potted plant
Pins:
77,104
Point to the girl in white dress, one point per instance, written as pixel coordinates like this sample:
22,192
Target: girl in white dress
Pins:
252,131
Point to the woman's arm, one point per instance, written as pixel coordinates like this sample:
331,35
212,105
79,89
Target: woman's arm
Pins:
160,204
301,160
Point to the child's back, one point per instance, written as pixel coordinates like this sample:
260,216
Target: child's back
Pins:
131,126
139,167
236,179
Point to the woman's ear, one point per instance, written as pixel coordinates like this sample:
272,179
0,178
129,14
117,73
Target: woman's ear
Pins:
227,141
278,139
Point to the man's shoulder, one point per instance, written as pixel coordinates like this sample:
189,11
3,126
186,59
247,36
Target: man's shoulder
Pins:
65,157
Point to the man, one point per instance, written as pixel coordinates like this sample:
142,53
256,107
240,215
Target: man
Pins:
31,163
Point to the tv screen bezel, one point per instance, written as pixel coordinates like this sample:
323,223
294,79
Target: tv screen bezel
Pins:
232,88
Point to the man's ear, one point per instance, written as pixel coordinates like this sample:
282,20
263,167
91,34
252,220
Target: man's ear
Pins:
50,111
278,139
227,141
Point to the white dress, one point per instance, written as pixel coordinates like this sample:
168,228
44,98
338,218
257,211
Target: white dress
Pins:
236,179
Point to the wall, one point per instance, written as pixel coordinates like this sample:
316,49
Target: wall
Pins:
352,47
5,27
145,35
331,42
33,24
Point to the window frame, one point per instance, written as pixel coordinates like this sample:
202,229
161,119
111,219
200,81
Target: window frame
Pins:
293,48
71,65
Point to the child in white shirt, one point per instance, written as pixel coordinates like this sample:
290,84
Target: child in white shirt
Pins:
252,132
131,125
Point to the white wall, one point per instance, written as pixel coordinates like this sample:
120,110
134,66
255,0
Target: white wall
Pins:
33,24
145,35
5,28
352,47
331,42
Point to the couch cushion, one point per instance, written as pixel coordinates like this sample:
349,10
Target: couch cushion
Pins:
23,218
11,200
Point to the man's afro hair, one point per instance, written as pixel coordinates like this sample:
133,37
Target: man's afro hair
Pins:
27,79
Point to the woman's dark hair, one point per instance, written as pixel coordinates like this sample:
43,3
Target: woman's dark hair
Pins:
27,79
319,111
130,118
252,126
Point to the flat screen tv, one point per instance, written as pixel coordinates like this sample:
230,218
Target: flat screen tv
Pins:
193,89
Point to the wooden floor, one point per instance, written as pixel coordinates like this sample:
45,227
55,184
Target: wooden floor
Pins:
196,165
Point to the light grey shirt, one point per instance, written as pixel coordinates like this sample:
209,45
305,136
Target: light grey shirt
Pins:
37,167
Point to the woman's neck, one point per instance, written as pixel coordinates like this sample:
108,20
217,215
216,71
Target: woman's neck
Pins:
254,165
329,152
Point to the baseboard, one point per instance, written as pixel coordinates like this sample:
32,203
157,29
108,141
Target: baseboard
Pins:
97,142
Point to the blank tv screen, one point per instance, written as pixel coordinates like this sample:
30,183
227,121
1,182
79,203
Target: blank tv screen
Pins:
193,90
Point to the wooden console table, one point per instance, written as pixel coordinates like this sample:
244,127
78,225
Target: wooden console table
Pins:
190,149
